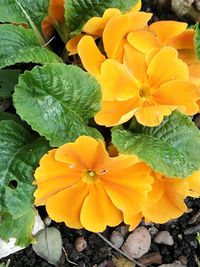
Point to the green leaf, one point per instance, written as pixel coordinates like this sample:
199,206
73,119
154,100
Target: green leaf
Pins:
60,100
37,10
11,12
78,12
8,80
19,228
5,264
197,41
49,245
20,154
14,117
18,44
173,148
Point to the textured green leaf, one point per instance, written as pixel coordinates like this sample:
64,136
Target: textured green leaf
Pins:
19,228
49,245
77,12
18,44
13,117
20,154
60,99
197,40
173,148
11,12
8,80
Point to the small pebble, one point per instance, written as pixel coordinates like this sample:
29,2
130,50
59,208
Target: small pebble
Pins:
197,4
47,221
164,237
180,236
137,243
80,244
174,264
124,230
192,230
116,239
103,264
183,259
151,258
153,231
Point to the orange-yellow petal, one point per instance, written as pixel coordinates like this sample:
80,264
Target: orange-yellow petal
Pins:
119,162
137,6
56,10
50,187
72,44
127,188
116,112
194,184
157,191
132,219
166,30
96,25
166,66
143,41
153,115
177,190
171,204
114,33
50,168
75,153
60,209
116,82
138,20
162,211
178,93
118,27
183,41
98,211
135,63
189,57
48,27
90,55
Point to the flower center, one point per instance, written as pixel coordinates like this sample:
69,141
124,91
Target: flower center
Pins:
144,91
90,176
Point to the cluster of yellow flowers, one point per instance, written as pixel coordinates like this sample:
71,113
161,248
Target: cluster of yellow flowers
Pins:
146,72
83,186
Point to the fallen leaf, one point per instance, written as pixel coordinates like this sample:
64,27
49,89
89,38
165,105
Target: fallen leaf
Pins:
122,262
49,245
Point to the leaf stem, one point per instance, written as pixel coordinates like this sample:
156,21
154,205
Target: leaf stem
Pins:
37,33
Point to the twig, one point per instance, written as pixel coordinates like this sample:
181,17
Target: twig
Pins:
195,217
49,41
192,230
119,250
66,256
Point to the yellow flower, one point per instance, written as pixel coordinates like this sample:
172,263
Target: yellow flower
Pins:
169,33
95,26
166,200
161,34
82,186
145,85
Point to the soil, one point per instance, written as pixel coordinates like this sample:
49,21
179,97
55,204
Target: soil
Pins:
98,253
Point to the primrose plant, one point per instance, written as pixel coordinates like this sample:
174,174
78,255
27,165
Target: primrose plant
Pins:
103,131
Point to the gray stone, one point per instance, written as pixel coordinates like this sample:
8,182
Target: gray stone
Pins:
116,239
174,264
138,243
164,237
